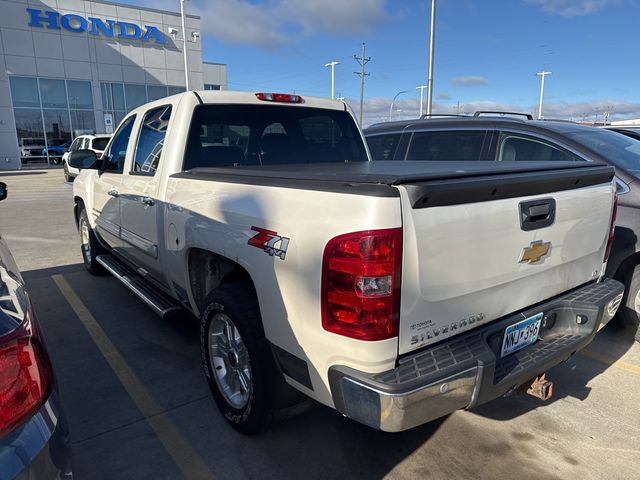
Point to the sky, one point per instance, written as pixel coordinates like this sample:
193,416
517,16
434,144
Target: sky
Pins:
487,52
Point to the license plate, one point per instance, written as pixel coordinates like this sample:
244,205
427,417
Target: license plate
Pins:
521,334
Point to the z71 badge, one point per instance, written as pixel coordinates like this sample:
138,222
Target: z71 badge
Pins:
269,241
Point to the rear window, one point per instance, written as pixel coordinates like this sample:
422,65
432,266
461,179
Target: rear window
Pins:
383,147
620,150
234,135
100,143
446,145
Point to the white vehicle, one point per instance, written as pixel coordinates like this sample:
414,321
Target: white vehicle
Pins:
95,142
395,292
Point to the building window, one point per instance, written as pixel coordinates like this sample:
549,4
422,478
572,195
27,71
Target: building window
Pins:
135,95
53,93
156,92
211,86
173,90
24,92
48,114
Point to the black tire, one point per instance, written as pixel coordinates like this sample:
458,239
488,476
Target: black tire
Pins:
630,311
89,245
238,303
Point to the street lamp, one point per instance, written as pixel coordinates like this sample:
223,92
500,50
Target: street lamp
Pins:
432,39
541,75
421,88
333,82
194,38
392,101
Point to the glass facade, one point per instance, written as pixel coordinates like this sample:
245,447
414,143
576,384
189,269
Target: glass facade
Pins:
48,114
120,98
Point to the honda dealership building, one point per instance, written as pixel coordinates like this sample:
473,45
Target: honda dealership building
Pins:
71,67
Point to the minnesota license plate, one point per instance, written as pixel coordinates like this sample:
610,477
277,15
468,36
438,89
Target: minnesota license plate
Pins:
521,334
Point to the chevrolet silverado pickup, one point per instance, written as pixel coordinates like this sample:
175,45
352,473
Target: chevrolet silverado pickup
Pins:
394,292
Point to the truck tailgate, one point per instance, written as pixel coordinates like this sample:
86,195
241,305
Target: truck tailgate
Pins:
477,249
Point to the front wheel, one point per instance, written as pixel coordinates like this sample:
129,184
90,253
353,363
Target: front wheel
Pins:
630,311
89,245
236,358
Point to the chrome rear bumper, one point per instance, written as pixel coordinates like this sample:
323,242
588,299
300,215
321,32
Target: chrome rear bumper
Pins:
466,371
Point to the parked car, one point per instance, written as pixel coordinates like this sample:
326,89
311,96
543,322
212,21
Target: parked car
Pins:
31,147
34,440
629,131
393,292
507,139
95,142
55,152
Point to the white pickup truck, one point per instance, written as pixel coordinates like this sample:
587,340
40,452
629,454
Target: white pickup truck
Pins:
394,292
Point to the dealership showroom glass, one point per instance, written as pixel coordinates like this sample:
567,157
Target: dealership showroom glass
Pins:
73,67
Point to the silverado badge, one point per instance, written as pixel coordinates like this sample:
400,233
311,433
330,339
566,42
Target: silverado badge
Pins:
535,252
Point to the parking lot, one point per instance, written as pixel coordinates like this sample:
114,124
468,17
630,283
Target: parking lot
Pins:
138,405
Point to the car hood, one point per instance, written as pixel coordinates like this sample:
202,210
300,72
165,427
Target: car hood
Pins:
13,297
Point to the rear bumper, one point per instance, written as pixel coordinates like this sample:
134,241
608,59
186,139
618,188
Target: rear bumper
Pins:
38,449
467,370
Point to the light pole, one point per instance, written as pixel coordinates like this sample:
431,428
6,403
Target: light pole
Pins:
333,77
541,75
432,39
421,88
392,101
184,44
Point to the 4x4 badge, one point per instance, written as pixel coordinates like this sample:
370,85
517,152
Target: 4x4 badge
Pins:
535,252
269,241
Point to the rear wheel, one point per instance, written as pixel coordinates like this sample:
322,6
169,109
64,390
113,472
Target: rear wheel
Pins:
630,311
89,245
236,357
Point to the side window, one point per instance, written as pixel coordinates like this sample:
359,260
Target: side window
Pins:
446,145
150,141
383,147
522,148
86,143
118,151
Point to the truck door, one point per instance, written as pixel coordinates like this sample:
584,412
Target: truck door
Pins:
140,209
106,190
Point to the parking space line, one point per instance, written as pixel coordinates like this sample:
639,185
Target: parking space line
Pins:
186,458
607,360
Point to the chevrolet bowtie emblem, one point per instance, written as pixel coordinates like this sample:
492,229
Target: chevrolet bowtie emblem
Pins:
535,252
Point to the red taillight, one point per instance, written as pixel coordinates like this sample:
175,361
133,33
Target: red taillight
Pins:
612,229
361,284
25,380
279,97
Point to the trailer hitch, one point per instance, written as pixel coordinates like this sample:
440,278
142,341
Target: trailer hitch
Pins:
538,387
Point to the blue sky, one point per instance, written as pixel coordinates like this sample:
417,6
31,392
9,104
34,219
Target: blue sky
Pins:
487,52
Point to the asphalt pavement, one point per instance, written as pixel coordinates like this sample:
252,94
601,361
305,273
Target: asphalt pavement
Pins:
139,408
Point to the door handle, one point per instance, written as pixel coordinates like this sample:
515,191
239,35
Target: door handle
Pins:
113,193
537,214
148,201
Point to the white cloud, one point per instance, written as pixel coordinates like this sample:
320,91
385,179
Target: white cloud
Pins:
470,81
443,96
269,23
571,8
377,109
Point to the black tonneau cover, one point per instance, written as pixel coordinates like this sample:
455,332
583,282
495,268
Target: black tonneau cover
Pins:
479,180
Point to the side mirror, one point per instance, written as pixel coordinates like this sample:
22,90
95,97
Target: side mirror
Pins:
3,190
84,159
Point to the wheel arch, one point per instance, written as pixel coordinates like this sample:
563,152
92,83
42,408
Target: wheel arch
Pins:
207,270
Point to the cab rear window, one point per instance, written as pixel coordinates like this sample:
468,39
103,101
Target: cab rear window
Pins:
235,135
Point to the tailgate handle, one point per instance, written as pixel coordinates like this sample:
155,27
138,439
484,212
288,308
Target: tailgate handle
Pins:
537,214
